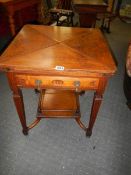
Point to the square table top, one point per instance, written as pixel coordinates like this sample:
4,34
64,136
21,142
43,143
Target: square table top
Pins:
58,50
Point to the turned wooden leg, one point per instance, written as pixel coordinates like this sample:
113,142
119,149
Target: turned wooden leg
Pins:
18,100
95,108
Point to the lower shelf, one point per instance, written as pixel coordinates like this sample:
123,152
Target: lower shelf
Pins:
58,104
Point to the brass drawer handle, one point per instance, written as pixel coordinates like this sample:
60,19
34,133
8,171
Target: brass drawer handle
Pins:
38,84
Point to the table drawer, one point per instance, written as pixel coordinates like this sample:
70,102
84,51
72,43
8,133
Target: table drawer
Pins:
57,82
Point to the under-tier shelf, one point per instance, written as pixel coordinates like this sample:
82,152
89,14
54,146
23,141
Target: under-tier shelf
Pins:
58,104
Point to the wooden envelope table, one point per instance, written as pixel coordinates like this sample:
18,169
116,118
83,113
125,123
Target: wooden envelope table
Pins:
61,62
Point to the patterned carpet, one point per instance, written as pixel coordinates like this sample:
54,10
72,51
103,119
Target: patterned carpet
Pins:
59,147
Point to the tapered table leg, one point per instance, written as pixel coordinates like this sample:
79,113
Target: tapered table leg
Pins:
95,108
98,95
18,100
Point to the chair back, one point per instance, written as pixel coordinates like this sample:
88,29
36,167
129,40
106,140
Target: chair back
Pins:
110,5
64,4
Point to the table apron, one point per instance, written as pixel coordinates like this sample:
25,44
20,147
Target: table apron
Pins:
61,82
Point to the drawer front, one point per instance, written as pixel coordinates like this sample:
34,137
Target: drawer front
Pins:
57,82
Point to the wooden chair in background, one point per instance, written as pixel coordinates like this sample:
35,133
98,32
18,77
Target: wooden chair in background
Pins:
108,16
62,13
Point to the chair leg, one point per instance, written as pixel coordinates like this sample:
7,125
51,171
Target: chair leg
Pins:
72,20
103,22
68,20
57,20
108,26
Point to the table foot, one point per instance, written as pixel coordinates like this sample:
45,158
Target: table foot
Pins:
25,132
32,125
88,133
